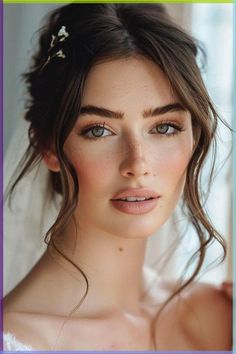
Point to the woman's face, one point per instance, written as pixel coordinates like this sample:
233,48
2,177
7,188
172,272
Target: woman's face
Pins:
132,139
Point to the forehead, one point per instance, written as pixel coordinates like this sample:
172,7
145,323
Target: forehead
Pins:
134,81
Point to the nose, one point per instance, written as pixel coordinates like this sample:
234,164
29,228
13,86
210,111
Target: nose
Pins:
135,161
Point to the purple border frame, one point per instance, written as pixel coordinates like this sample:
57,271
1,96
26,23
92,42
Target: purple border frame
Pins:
1,171
1,225
129,352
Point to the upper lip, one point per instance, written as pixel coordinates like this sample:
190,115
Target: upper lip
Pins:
136,192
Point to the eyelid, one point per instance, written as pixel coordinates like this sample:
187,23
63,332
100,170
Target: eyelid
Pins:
178,126
91,126
173,123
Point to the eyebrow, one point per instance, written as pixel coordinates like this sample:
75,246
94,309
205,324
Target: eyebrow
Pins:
152,112
171,107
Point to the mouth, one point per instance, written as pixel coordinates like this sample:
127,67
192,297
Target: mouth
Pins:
135,194
135,201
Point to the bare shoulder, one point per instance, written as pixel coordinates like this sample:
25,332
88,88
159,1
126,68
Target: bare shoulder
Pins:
31,329
208,316
23,327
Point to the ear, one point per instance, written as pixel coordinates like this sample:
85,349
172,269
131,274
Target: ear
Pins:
51,161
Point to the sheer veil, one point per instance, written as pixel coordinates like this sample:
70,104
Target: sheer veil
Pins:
30,214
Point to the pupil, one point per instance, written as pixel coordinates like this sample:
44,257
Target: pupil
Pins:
163,128
98,131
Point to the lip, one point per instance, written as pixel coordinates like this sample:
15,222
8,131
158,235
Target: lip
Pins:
135,192
135,208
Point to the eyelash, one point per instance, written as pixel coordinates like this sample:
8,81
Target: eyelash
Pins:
178,129
89,128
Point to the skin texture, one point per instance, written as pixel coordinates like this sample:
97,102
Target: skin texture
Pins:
132,157
110,245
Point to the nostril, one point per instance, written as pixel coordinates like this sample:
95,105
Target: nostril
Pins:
134,166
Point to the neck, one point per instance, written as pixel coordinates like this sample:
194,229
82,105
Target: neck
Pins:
112,264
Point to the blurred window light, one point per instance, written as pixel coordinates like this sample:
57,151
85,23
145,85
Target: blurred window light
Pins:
212,24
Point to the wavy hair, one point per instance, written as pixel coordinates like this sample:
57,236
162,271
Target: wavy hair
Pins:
101,32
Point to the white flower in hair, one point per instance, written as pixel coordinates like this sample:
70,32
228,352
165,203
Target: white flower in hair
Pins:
60,37
59,54
63,34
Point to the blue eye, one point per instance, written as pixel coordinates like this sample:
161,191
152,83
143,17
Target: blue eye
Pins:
96,131
166,129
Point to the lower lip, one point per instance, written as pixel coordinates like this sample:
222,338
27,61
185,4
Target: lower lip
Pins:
135,208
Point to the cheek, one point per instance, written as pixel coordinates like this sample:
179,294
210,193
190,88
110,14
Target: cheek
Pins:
171,169
92,169
173,158
176,165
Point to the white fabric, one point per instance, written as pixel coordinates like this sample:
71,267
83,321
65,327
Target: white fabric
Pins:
11,343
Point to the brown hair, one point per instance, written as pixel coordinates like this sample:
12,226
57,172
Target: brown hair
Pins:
103,32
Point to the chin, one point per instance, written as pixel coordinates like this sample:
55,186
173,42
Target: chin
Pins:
140,229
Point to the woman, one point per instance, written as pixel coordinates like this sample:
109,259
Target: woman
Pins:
119,114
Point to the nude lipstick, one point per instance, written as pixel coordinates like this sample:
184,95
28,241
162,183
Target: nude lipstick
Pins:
135,201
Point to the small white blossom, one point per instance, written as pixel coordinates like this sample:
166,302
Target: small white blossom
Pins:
60,54
60,37
63,34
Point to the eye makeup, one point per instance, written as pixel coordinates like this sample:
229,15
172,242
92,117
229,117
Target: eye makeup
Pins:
163,128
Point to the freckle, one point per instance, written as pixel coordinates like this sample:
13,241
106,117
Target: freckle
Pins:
120,249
